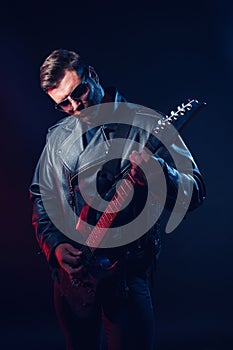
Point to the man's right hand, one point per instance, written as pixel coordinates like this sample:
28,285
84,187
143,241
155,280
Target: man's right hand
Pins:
69,258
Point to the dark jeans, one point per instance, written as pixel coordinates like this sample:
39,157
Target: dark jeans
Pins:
128,323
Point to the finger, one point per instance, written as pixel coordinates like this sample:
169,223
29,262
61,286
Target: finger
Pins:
134,173
138,175
75,272
74,251
145,156
133,161
136,158
71,261
72,270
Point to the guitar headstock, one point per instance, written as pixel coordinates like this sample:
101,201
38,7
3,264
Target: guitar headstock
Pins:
181,116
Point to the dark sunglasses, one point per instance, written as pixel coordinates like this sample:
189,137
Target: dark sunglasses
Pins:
75,95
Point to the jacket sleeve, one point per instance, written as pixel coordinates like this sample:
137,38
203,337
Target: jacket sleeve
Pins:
184,180
47,234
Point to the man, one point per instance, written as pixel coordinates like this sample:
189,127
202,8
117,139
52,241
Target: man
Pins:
75,180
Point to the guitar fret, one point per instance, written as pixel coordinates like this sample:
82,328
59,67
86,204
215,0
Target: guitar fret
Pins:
131,179
102,222
125,192
113,203
128,187
108,215
116,203
120,196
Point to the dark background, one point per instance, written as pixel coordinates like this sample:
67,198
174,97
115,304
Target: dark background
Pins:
158,54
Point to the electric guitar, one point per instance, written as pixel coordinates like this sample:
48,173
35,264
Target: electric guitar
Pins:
81,294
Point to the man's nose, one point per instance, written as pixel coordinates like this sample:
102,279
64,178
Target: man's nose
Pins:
76,105
73,103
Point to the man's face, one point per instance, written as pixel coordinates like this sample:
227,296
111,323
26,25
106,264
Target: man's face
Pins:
89,90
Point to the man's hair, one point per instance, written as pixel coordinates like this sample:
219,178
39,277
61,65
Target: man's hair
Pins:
53,69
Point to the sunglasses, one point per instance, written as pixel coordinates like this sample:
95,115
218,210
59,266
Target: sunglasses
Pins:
75,95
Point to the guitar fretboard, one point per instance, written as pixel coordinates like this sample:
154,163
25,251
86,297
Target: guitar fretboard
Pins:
111,211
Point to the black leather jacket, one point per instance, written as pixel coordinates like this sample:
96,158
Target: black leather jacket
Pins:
66,165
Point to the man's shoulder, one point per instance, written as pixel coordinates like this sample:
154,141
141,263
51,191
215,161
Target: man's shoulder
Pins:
59,132
144,117
142,111
61,123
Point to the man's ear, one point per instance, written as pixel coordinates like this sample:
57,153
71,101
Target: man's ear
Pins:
92,73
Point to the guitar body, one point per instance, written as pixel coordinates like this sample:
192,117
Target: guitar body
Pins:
81,293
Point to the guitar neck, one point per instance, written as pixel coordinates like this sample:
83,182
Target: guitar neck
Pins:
111,211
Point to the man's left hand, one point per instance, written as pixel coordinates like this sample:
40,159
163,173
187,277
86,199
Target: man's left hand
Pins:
137,159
